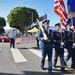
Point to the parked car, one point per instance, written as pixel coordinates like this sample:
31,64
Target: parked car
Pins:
4,38
1,36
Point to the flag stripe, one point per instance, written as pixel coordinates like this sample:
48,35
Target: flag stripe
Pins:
59,9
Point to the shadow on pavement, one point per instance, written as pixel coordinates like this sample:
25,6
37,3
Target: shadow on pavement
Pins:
30,48
35,73
36,47
8,74
22,48
27,73
58,72
46,73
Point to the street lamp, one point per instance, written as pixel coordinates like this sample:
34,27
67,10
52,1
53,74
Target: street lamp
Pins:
45,11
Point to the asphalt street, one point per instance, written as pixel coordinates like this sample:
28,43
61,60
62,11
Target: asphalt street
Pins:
25,60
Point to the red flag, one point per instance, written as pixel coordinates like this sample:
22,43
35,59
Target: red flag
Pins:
59,9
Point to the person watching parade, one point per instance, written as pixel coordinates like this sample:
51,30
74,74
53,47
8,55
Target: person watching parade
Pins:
12,36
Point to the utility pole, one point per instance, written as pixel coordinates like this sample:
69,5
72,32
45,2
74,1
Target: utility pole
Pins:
45,13
32,17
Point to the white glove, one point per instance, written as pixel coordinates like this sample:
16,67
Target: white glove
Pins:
45,38
62,43
73,44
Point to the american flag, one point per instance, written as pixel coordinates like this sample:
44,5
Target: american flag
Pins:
59,9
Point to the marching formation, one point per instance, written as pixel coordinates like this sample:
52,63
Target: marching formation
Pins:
59,39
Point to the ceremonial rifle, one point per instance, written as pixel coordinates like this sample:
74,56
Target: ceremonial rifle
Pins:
73,39
44,34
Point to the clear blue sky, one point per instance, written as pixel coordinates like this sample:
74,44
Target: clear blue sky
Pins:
41,6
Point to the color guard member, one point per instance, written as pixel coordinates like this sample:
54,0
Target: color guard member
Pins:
59,46
46,45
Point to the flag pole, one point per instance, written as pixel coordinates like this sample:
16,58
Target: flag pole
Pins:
72,33
61,31
59,9
60,23
70,16
44,34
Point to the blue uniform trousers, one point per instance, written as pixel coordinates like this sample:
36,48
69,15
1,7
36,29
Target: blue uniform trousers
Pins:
46,48
68,46
73,58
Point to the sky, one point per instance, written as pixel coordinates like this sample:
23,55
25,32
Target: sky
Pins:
41,6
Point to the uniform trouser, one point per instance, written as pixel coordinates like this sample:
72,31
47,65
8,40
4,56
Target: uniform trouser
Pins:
47,50
12,42
69,49
59,52
37,42
73,58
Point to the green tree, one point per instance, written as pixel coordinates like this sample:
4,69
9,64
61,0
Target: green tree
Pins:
21,17
2,24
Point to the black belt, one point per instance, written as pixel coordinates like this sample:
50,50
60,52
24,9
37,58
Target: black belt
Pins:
47,40
57,40
69,40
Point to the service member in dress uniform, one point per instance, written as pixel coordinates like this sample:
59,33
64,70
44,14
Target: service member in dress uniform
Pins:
73,49
46,45
68,43
59,46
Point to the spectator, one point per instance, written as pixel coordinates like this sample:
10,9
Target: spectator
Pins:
12,36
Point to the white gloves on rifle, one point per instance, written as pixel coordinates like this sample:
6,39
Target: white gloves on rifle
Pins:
73,44
62,43
45,38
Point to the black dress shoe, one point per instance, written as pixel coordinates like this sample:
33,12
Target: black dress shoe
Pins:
63,70
73,67
65,63
55,66
50,72
42,67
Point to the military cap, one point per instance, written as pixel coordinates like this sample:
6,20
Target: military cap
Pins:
46,21
58,24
